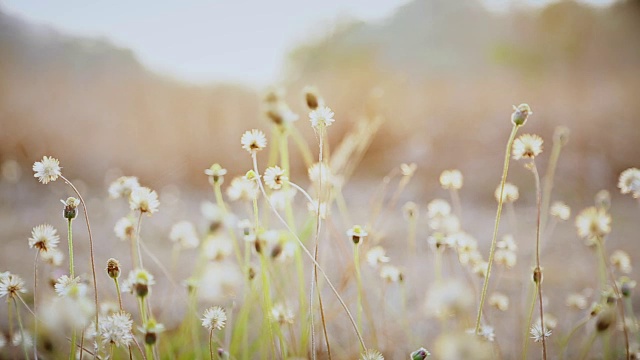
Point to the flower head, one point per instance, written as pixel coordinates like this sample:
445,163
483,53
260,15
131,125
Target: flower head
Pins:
216,174
560,210
151,329
408,169
243,189
377,255
125,228
274,177
538,332
438,208
281,314
372,355
629,182
510,193
47,170
593,223
621,260
451,179
500,301
11,285
123,186
214,318
113,268
70,210
138,282
390,273
144,200
420,354
410,210
70,287
116,329
576,301
253,141
357,234
527,146
280,113
184,234
520,114
321,117
44,238
312,98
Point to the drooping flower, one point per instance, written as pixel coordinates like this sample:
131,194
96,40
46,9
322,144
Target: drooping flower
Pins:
216,174
44,238
621,260
214,318
357,234
125,228
47,170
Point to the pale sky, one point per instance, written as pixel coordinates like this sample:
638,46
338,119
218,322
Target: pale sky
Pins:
208,40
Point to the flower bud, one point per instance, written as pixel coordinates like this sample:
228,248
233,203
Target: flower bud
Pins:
605,319
70,208
142,290
311,98
113,268
520,114
150,338
420,354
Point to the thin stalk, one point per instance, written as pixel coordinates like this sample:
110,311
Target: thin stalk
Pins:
93,261
137,241
22,334
587,345
266,298
413,224
525,347
220,201
438,265
505,171
457,204
70,242
211,343
35,306
310,256
548,181
565,342
534,169
115,280
603,256
302,146
356,263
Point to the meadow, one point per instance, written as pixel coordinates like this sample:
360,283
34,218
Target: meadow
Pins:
319,262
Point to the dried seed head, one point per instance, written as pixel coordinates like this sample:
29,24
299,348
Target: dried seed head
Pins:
520,114
312,98
113,268
537,275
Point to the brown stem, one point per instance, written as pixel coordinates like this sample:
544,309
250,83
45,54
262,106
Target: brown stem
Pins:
534,169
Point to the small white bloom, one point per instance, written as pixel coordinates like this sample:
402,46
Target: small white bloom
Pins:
70,287
274,177
372,355
357,233
243,189
560,210
11,285
253,141
527,146
510,194
184,233
321,117
47,170
313,208
125,228
217,248
391,273
282,314
116,329
144,200
377,255
438,207
214,318
500,301
216,174
629,182
44,238
538,333
280,198
451,179
53,257
123,186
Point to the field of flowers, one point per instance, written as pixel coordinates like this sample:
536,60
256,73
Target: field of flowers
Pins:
272,266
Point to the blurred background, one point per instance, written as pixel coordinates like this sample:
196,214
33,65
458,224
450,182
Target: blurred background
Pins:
162,90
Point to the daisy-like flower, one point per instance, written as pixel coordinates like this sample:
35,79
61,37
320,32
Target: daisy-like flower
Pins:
321,117
576,301
47,170
357,234
377,255
144,200
437,208
243,189
70,210
506,258
216,174
184,234
138,282
527,146
510,194
372,355
123,186
125,228
560,210
11,285
151,330
44,238
500,301
214,318
53,257
116,329
390,273
282,314
451,179
253,141
593,223
217,248
621,260
70,287
538,333
274,177
629,182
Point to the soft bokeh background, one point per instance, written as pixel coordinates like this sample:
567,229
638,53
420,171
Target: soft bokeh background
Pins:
163,91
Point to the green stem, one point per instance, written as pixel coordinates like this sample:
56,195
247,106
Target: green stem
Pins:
548,181
505,171
211,343
356,262
413,223
22,333
220,201
565,342
587,345
119,293
35,306
457,204
525,347
70,242
266,298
